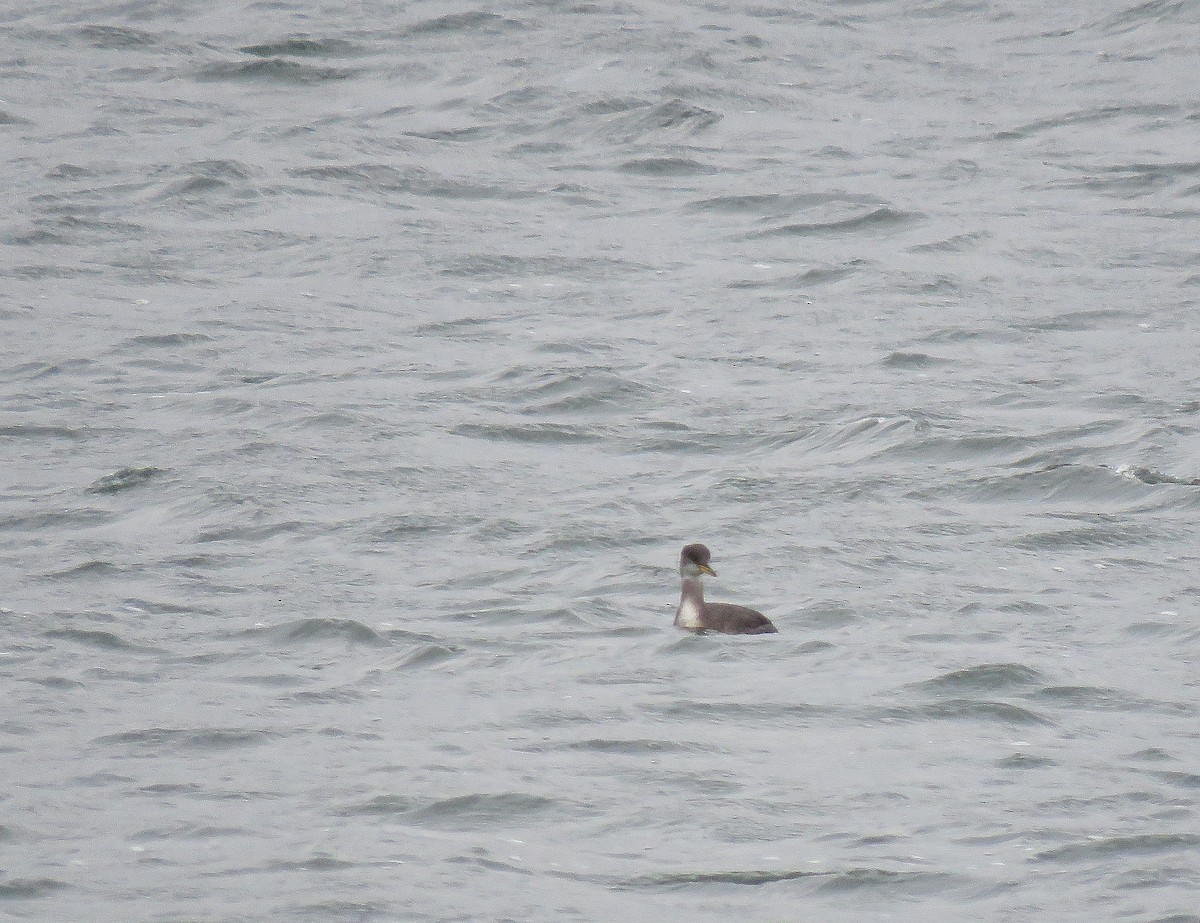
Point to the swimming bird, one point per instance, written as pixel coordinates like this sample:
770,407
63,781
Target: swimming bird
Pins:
697,615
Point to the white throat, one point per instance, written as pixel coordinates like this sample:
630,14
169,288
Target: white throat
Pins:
691,603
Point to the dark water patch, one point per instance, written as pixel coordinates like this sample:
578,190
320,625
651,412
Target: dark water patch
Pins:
40,431
385,805
208,181
635,746
1101,698
429,655
156,740
464,812
1188,780
1153,629
501,266
742,712
1059,121
124,479
41,236
1057,481
1121,847
879,219
531,434
1147,13
88,570
303,47
643,120
462,135
1025,761
117,37
911,360
667,167
543,391
173,788
1076,321
471,328
960,243
37,370
778,205
830,616
274,71
472,21
1133,180
889,882
852,440
609,105
811,278
253,533
988,677
940,446
165,340
742,488
30,888
372,179
319,863
1116,535
47,520
342,909
56,682
750,877
321,630
186,831
1153,755
153,607
1153,476
1002,713
340,694
101,640
412,526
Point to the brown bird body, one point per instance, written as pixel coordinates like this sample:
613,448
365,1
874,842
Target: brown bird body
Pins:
695,614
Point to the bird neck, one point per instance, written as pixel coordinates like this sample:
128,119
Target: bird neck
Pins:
693,590
690,613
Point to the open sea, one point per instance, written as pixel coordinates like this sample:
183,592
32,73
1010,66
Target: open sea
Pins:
364,367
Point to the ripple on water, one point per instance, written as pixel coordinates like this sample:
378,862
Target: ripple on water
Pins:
1145,844
124,479
273,70
304,47
890,881
986,677
318,631
30,888
636,746
103,640
1103,698
38,520
462,812
1001,713
429,655
874,220
1100,485
474,21
152,741
724,877
531,433
543,391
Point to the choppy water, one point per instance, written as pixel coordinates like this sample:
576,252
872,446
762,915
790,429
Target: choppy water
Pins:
366,365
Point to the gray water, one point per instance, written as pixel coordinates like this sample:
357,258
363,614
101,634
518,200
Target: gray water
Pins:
366,365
